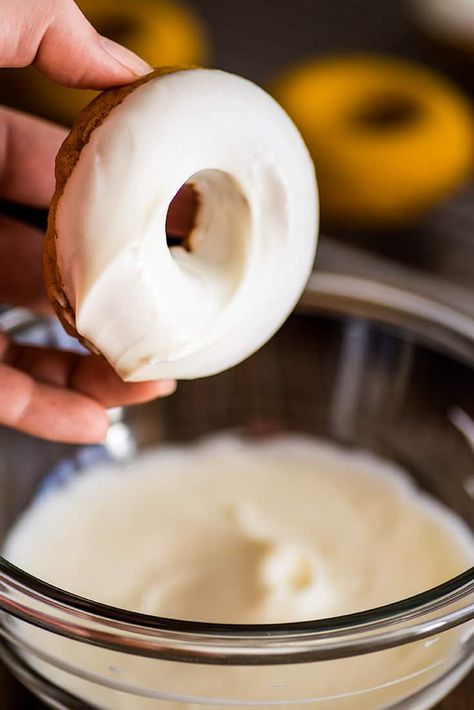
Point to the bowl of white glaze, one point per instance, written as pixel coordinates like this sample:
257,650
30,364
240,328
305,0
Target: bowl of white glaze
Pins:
360,366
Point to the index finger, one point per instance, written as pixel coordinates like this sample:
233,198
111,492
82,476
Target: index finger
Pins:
28,148
61,395
90,375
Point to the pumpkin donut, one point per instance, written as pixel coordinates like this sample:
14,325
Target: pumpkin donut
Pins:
390,139
153,307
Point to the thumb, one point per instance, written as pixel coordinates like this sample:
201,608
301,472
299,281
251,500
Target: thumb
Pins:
56,37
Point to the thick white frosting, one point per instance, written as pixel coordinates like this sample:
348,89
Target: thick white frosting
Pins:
287,530
157,312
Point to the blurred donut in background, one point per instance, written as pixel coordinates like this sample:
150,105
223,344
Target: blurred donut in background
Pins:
390,139
450,22
162,32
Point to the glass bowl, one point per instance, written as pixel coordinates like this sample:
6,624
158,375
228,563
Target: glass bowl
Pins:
359,363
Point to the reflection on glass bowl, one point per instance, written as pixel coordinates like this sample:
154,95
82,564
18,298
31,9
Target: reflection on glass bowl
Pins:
352,368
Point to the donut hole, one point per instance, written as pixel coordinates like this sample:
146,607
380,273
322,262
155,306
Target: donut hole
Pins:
388,111
209,214
208,230
181,217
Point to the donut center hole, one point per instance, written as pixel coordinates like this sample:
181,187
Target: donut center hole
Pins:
118,28
208,230
388,111
181,217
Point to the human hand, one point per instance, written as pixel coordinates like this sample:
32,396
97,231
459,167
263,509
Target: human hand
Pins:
46,392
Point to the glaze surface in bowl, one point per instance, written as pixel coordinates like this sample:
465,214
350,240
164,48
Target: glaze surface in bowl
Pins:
354,370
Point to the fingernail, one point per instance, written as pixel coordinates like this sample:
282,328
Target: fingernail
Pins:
167,387
129,60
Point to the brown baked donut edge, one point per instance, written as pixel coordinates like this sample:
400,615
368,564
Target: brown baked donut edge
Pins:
90,118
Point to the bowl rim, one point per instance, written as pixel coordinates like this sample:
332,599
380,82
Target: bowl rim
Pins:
432,611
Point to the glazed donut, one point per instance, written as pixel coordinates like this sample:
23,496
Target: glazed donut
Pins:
162,32
191,310
389,138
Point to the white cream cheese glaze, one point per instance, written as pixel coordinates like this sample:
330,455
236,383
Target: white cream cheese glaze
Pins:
227,531
159,312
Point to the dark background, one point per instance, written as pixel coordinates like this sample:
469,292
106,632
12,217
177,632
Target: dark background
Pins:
256,38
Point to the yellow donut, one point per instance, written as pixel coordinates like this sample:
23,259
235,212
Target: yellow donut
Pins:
162,32
389,138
